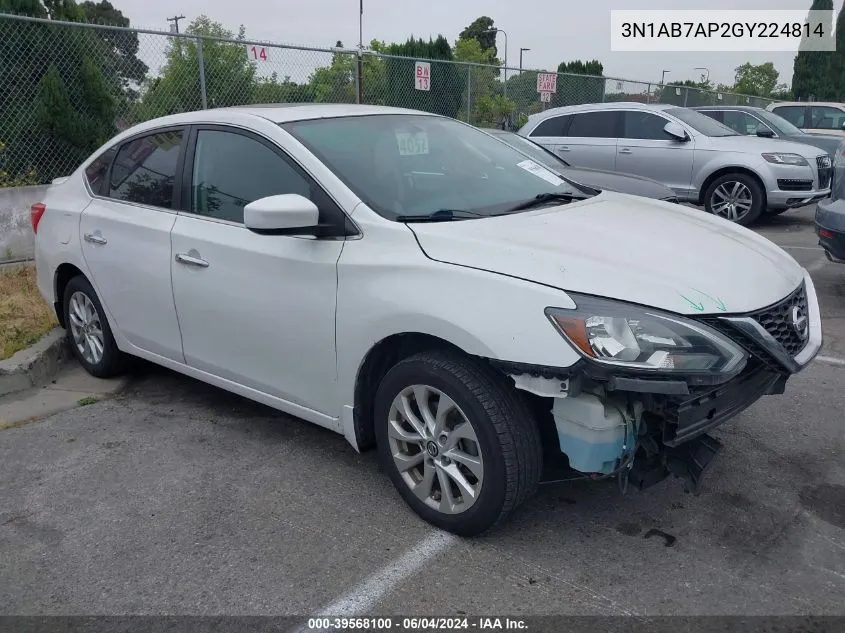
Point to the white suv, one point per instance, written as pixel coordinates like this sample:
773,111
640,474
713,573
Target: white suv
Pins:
415,284
734,176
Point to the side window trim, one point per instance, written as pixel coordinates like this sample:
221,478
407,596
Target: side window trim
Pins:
179,164
763,123
187,173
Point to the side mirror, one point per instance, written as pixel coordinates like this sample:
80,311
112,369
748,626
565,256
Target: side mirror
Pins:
676,131
842,127
765,132
287,214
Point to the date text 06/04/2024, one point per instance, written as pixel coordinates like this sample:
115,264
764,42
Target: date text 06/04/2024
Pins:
416,624
722,29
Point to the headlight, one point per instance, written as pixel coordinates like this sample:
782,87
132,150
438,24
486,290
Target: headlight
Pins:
632,337
786,159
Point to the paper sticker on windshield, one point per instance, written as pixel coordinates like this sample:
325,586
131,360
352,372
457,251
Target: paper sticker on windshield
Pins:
540,172
412,144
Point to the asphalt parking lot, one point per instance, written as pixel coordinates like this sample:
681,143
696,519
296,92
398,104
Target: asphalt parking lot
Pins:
178,498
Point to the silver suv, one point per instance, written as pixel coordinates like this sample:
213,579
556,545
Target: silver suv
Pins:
706,163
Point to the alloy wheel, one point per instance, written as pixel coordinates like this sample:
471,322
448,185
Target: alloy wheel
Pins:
435,449
732,200
86,329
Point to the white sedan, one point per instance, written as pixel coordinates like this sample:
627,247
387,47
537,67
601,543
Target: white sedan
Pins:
415,284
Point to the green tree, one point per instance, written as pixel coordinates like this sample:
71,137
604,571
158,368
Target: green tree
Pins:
834,88
483,31
812,74
229,75
447,82
580,82
120,48
758,80
271,90
57,103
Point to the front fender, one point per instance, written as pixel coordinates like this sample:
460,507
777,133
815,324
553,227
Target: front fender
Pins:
388,287
709,162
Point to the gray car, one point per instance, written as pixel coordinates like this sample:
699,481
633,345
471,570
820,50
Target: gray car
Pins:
753,121
704,162
594,178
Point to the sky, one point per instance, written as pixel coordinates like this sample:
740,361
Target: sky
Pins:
554,30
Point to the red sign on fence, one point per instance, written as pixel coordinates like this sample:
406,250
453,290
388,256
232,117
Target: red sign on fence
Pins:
547,82
422,76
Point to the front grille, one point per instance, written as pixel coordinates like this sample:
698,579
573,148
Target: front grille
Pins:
777,321
825,168
793,184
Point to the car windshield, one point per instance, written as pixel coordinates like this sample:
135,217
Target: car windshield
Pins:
537,152
416,165
701,123
778,123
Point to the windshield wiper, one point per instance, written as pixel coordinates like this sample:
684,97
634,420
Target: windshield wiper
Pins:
544,198
441,215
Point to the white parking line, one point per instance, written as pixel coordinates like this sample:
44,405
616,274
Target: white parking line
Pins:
831,360
363,597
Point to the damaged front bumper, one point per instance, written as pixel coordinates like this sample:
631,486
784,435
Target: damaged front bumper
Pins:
644,427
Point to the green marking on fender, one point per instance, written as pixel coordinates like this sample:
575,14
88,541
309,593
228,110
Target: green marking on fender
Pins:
695,306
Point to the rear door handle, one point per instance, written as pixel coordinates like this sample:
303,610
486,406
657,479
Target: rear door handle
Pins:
190,260
563,148
95,238
625,150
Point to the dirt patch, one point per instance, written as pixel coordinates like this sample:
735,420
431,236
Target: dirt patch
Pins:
24,315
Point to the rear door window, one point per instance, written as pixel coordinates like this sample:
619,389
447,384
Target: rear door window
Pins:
144,170
793,114
554,126
595,125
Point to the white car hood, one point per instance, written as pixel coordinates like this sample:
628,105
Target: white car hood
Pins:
628,248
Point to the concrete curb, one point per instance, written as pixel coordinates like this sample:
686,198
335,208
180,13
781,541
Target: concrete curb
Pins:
36,365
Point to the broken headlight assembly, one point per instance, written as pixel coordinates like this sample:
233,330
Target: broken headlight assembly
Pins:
636,338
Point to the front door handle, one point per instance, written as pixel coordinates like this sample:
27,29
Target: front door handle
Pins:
625,150
95,238
563,148
190,260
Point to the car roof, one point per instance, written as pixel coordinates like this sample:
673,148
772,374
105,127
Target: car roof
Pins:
275,112
730,107
834,104
616,105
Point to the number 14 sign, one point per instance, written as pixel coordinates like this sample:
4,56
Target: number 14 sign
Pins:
257,53
422,76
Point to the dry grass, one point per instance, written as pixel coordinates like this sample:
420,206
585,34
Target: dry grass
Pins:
24,315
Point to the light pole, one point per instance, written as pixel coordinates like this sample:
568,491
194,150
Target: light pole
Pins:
506,57
663,76
521,50
707,70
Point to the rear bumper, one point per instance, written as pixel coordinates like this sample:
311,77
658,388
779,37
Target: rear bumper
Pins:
830,228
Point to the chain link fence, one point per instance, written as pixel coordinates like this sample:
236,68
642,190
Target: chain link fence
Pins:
66,88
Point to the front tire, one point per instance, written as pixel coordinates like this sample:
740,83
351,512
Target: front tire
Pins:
457,441
736,197
88,331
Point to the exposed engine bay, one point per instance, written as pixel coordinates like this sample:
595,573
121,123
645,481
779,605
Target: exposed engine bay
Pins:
637,431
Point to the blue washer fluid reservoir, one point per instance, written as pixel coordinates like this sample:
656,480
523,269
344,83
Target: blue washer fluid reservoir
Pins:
591,433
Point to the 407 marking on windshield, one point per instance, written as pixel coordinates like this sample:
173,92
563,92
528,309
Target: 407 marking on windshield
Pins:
722,29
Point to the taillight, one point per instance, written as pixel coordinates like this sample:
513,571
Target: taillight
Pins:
825,233
36,211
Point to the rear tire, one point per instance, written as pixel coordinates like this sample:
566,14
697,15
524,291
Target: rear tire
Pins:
489,467
735,197
88,331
